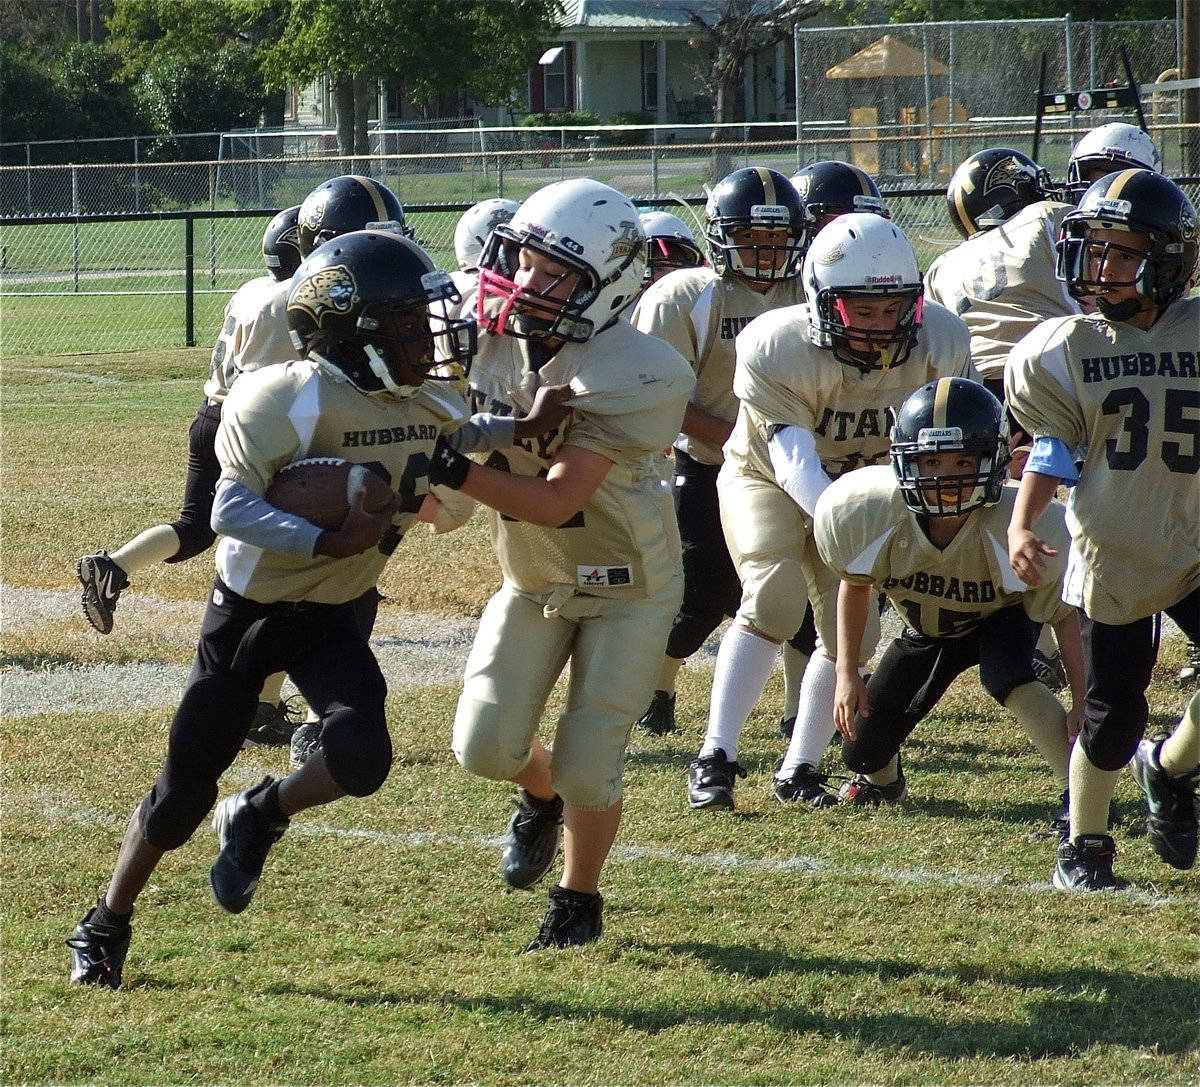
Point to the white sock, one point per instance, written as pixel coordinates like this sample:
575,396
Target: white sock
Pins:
814,721
744,663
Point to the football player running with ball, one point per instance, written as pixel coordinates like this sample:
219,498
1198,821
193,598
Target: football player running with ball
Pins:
365,311
930,532
1118,389
815,383
583,528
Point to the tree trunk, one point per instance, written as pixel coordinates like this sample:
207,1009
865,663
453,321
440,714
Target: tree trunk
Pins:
364,90
343,105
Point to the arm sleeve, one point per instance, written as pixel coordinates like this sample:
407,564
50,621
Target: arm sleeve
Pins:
482,433
240,513
1051,457
798,470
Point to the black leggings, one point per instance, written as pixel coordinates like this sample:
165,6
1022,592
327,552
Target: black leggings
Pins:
1119,661
194,527
915,671
324,648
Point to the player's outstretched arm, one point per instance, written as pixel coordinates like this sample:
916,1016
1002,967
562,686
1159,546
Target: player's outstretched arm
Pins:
550,408
1025,548
850,698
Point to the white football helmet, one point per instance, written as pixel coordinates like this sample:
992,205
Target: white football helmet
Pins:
670,244
1114,146
477,222
585,226
862,255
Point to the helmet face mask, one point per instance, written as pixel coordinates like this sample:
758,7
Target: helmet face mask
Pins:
1108,148
1136,202
372,306
992,186
943,418
583,229
670,244
855,258
762,201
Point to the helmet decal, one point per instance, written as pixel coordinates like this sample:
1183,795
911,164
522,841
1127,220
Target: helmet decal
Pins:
329,291
627,242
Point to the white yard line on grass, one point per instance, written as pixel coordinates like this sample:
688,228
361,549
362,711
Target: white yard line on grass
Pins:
798,865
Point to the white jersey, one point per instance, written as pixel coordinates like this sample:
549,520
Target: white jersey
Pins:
303,409
629,394
783,379
1127,401
253,334
868,536
1002,282
700,314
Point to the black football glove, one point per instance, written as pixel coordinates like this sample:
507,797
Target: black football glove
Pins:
448,467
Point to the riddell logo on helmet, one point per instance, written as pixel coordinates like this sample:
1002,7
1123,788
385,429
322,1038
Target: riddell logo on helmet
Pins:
331,290
883,281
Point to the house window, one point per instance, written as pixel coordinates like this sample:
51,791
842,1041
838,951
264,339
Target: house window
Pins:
554,79
650,75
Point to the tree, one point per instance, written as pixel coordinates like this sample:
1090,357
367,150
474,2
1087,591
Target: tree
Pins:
430,49
740,29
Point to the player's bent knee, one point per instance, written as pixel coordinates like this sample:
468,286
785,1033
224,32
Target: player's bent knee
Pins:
193,540
479,745
357,749
777,601
171,812
1107,751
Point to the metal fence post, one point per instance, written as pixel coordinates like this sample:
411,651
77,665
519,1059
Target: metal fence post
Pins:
189,282
75,227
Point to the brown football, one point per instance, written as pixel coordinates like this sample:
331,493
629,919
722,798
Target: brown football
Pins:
320,489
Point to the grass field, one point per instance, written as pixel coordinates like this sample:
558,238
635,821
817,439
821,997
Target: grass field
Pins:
918,945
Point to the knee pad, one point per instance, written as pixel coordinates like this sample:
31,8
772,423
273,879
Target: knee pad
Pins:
777,600
865,758
1111,748
173,809
357,748
480,741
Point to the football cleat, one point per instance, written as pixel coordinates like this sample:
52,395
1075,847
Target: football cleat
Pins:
103,581
532,840
805,785
273,725
659,718
1171,802
1049,671
98,951
305,742
1085,864
710,782
863,793
246,838
786,727
572,920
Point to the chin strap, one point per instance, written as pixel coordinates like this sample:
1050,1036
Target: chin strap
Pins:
1120,311
380,369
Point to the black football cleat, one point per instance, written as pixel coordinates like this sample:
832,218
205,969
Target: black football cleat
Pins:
103,582
1171,821
659,718
572,920
805,785
98,952
532,840
246,838
710,782
1084,863
273,725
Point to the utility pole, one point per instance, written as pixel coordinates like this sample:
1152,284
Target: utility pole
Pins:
1188,14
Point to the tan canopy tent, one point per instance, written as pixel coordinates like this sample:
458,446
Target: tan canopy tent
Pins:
886,57
892,60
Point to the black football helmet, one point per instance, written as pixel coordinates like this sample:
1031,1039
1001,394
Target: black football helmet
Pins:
345,203
831,188
343,293
1134,200
281,244
950,415
992,186
756,197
